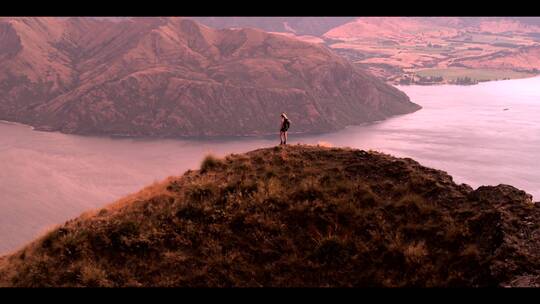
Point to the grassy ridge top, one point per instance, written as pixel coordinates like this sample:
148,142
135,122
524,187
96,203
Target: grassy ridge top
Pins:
294,216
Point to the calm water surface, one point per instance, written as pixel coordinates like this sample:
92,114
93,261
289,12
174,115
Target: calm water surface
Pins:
48,178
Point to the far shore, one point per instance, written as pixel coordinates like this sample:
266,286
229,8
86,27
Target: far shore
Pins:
458,76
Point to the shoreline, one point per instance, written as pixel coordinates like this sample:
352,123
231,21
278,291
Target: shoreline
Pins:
204,138
7,122
447,83
461,85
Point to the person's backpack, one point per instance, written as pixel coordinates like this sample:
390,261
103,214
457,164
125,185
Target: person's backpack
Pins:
287,124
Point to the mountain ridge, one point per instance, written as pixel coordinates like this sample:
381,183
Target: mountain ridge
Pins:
167,77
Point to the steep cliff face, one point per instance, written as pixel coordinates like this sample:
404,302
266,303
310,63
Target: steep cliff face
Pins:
175,77
295,216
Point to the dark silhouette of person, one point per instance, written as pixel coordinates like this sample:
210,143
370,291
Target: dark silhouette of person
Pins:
285,124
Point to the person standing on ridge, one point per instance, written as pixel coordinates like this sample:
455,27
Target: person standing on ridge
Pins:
285,124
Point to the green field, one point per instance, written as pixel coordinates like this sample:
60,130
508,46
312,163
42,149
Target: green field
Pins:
451,74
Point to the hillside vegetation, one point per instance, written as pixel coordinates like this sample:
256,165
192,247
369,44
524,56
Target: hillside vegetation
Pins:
295,216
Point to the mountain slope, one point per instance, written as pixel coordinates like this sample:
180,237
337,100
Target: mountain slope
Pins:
295,216
175,77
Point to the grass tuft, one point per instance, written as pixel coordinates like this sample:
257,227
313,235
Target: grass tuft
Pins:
211,162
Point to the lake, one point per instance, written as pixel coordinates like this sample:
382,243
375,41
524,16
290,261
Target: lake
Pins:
485,134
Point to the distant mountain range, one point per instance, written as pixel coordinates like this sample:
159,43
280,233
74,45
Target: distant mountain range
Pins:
397,47
318,26
393,47
176,77
315,26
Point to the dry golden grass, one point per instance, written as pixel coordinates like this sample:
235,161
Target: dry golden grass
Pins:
211,162
416,252
290,216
